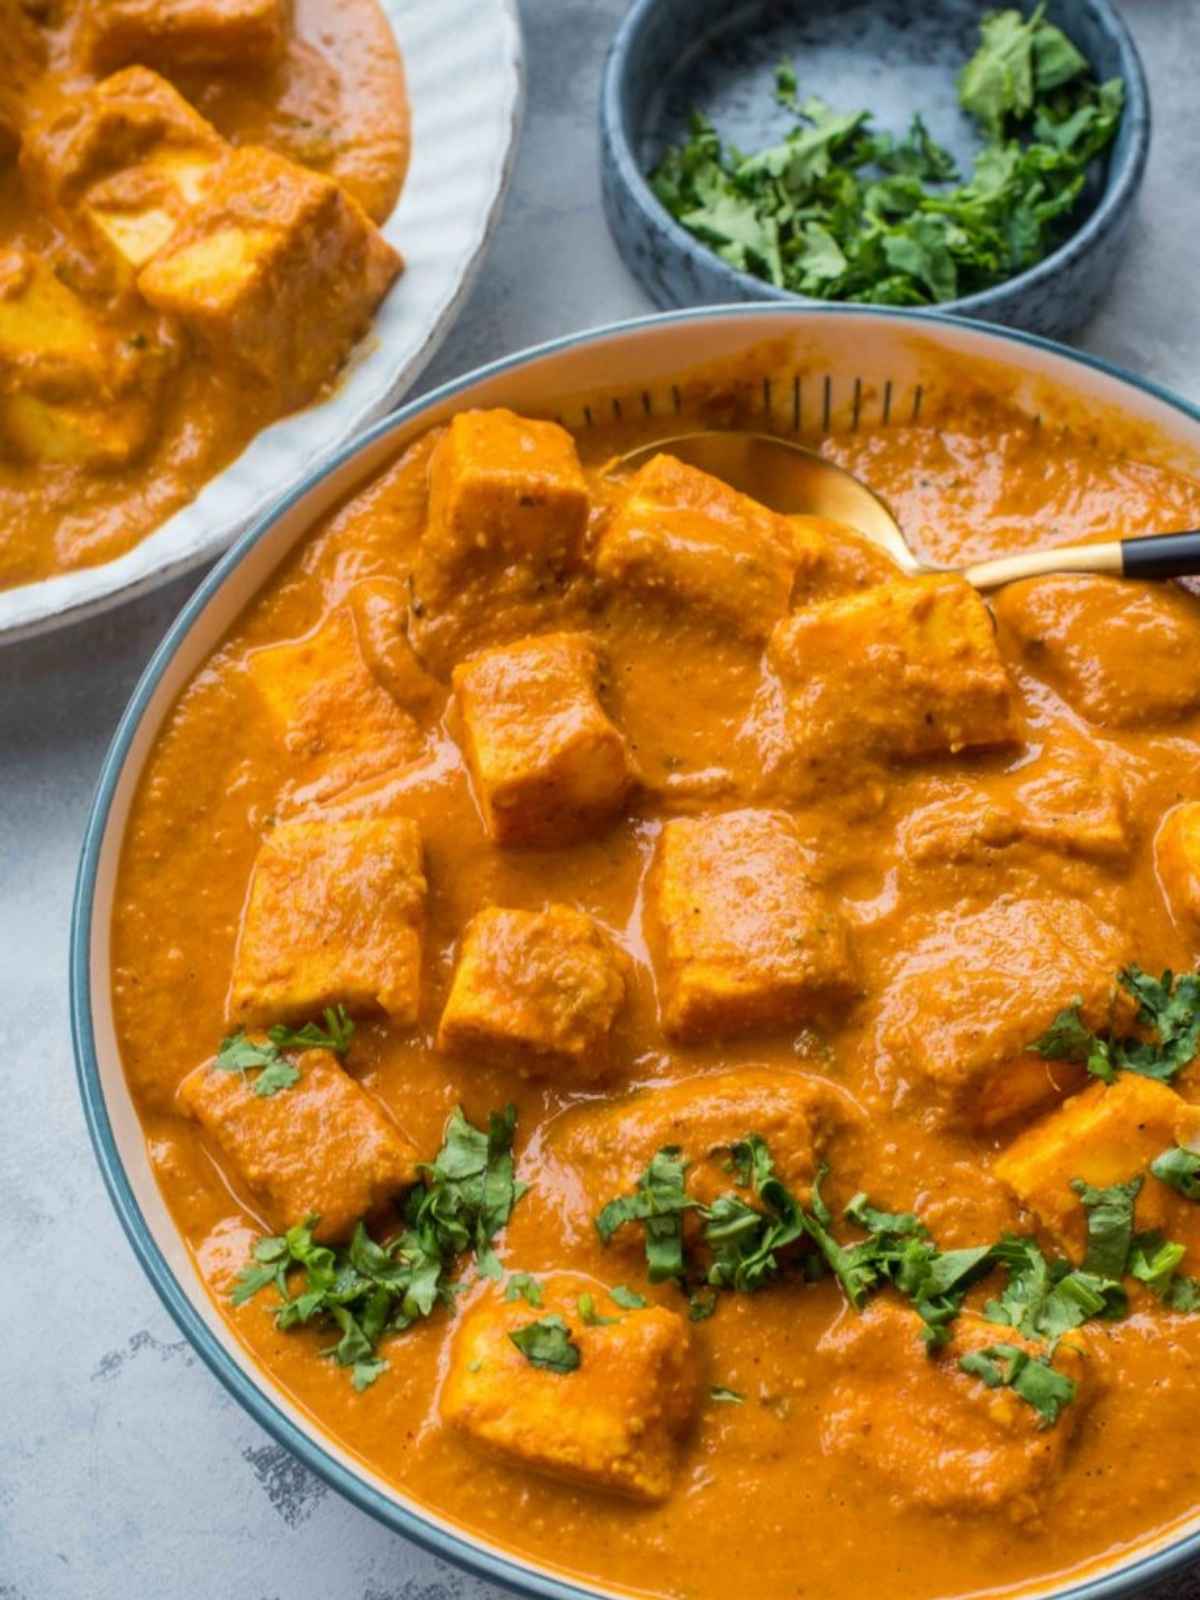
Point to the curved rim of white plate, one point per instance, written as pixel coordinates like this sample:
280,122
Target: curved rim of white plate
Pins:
252,1389
67,598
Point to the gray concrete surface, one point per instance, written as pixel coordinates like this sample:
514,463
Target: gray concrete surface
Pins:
125,1471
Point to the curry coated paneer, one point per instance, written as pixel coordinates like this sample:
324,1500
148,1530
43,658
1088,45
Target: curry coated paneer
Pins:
968,999
1177,849
334,916
722,939
1107,1135
223,34
336,721
323,1148
548,765
275,270
903,669
684,538
539,990
748,938
614,1423
1054,621
937,1436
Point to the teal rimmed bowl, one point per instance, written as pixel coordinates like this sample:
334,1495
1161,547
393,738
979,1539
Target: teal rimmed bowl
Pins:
811,370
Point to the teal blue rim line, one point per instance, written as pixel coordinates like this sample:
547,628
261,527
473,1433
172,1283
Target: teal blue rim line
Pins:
1119,191
456,1547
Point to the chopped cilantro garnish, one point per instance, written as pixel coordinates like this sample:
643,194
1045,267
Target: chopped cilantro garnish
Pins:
1044,1299
522,1287
1031,1377
547,1343
240,1053
1109,1225
626,1298
722,1396
1168,1009
367,1289
1180,1170
842,212
658,1202
589,1316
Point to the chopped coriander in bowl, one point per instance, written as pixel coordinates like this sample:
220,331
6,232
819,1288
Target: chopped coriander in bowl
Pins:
979,160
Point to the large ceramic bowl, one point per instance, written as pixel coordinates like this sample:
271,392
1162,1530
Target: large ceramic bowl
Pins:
670,56
815,370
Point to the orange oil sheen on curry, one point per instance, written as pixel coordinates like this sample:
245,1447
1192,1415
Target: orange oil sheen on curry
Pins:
181,183
669,821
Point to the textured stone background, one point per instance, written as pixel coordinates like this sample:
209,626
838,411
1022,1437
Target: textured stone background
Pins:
125,1471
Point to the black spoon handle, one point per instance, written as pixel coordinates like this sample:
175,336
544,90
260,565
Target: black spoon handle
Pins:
1162,555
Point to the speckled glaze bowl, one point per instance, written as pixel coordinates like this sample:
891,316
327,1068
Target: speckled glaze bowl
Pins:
896,56
804,370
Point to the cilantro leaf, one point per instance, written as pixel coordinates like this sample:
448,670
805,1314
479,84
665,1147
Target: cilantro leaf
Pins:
1167,1007
522,1287
1109,1225
336,1034
1179,1169
1069,1039
1032,1377
1155,1262
547,1343
658,1202
627,1299
589,1316
240,1053
722,1396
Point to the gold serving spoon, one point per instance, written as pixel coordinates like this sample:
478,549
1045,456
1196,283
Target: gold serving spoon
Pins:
795,481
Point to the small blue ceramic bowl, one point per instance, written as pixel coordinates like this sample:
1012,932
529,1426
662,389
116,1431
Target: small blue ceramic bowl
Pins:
672,56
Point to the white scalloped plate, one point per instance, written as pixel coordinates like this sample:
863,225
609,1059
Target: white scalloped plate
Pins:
464,66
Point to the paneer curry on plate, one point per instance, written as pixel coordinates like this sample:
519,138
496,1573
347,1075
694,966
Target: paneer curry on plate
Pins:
190,193
675,1044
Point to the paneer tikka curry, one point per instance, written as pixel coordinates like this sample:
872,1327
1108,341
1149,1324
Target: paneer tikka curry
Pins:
189,199
673,1042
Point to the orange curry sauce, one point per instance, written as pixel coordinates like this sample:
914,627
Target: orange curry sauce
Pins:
121,397
945,904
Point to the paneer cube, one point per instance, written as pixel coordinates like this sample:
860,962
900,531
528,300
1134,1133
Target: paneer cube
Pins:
1177,856
334,916
537,989
613,1423
214,34
937,1437
607,1147
506,496
549,767
337,722
70,390
1056,624
689,540
276,270
1107,1135
969,998
748,939
902,670
125,161
322,1147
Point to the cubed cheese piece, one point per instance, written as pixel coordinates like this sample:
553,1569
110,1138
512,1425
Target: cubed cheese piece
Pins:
608,1147
1177,855
230,34
549,767
688,539
538,989
1107,1135
938,1438
276,270
334,916
1082,634
507,501
322,1147
970,997
124,161
748,939
614,1423
905,669
70,390
338,723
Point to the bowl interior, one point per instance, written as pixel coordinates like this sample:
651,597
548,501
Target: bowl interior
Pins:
801,370
886,55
